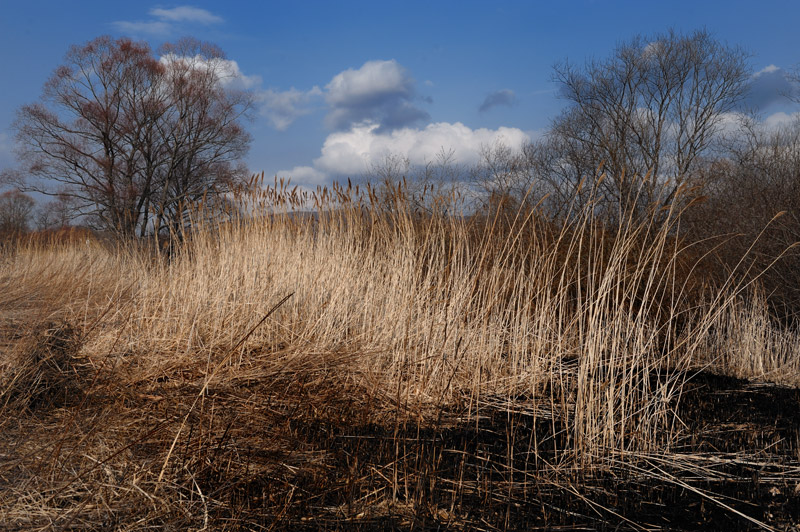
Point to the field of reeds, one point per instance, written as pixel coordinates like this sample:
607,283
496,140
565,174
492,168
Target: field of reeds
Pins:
350,360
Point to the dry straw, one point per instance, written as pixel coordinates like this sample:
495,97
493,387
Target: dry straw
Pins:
402,312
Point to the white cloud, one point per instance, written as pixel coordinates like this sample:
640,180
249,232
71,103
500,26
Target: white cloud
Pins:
355,151
770,86
379,91
769,69
730,123
282,108
374,80
168,21
230,75
186,14
652,48
153,27
304,175
781,119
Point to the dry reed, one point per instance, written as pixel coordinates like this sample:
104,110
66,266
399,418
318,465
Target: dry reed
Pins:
141,391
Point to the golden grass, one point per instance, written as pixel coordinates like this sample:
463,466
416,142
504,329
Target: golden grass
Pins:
127,377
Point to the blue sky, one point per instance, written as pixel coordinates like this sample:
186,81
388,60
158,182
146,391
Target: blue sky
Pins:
340,84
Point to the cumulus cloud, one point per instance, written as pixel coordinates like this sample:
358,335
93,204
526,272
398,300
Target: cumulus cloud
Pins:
380,92
305,175
354,152
228,71
364,146
501,97
164,22
769,86
282,108
232,76
781,119
730,124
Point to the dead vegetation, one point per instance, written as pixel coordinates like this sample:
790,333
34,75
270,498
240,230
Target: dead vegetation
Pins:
372,367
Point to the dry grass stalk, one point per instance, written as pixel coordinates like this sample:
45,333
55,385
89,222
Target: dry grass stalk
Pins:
399,319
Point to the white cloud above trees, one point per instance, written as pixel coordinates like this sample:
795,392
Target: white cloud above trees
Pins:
165,22
381,92
227,70
770,85
354,152
282,108
305,176
781,119
186,14
373,114
146,27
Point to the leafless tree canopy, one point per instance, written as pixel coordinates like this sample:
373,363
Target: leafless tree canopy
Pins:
54,214
133,139
15,212
644,119
753,201
434,185
650,111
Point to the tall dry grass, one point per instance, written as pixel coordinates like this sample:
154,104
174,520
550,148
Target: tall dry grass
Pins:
418,316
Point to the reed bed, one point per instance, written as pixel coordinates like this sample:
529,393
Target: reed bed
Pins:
347,359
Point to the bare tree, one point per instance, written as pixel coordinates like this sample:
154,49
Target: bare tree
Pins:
647,114
744,193
132,139
433,185
15,213
501,171
55,214
201,132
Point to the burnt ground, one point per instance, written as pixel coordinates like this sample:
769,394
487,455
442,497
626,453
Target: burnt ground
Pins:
737,467
312,451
